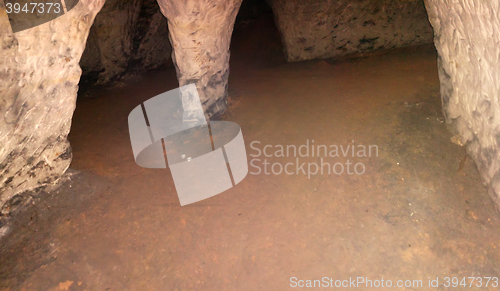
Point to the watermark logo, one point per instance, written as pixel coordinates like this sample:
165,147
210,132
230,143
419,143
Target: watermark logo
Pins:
205,158
26,14
320,159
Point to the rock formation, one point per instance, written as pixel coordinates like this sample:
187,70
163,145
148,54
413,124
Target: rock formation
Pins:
200,34
39,75
127,34
314,29
467,37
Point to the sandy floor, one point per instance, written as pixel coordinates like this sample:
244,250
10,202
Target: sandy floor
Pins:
418,211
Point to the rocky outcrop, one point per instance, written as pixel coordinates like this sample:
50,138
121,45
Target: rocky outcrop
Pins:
467,37
314,29
127,34
39,75
200,33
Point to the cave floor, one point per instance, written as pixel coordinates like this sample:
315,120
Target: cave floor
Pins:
419,211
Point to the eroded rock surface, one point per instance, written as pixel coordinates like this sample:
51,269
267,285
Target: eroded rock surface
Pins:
127,34
313,29
200,33
39,75
467,37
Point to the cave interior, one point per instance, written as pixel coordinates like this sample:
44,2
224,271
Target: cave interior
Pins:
370,128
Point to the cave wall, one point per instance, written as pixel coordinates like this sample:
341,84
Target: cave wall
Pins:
127,35
200,33
315,29
467,37
39,75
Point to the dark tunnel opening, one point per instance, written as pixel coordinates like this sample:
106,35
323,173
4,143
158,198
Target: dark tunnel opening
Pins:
127,38
256,41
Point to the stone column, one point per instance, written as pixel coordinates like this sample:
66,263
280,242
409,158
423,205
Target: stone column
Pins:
200,33
39,75
467,37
